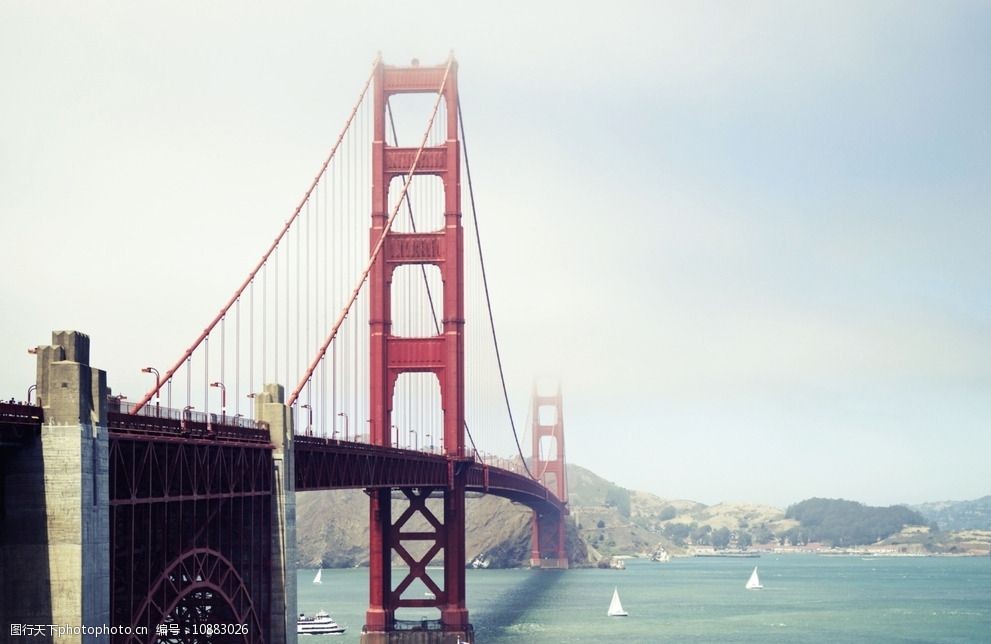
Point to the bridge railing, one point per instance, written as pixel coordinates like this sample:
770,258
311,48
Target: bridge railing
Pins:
503,463
15,413
325,463
185,423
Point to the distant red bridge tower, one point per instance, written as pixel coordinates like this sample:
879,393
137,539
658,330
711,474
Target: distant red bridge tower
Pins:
548,548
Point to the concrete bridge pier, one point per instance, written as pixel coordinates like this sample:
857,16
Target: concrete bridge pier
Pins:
270,408
55,529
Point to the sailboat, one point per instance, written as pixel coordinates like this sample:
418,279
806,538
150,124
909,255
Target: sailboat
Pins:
615,607
754,582
317,579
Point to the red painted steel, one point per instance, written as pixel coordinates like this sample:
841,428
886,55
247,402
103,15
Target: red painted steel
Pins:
549,468
327,464
188,502
190,530
379,240
442,355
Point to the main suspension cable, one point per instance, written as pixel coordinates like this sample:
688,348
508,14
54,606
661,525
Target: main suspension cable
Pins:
488,300
264,260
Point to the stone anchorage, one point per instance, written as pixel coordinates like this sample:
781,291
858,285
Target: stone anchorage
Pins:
55,528
55,523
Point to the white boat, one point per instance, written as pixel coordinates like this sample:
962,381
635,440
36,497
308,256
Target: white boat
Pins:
661,555
317,579
319,624
615,607
480,561
754,582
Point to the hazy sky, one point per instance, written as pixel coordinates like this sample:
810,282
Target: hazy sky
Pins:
753,239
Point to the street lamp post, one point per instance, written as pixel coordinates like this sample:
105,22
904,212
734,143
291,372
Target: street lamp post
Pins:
395,436
252,397
309,418
414,441
341,413
31,389
429,446
158,387
223,400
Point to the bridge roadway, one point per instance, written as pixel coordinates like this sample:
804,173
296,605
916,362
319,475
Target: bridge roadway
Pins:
321,463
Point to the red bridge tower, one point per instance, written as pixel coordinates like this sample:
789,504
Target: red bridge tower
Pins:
441,355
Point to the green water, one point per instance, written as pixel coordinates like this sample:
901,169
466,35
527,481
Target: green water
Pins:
805,599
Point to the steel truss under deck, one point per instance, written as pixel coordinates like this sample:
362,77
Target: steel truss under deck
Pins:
191,532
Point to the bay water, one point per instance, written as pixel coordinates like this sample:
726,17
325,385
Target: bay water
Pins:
806,598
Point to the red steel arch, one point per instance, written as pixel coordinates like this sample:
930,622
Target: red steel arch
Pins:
200,569
190,512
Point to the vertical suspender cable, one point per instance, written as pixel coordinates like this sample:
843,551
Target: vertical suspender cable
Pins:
189,351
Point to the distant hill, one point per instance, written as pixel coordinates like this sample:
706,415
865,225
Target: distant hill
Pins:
842,523
618,521
608,520
958,515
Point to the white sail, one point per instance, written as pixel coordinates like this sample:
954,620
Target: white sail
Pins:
615,607
317,579
754,582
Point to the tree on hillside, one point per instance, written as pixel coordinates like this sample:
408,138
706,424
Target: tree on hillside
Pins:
677,532
701,535
619,498
744,540
846,523
720,538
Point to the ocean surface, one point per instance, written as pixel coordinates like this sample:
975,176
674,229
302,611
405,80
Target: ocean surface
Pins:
806,598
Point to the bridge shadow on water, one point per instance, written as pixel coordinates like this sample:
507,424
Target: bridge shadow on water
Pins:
508,608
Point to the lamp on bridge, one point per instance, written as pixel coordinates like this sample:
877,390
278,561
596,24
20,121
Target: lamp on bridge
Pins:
341,413
309,419
31,389
223,399
428,446
251,396
158,386
395,436
415,440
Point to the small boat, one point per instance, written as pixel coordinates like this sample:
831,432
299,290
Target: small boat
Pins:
615,607
319,624
480,562
661,555
317,579
754,582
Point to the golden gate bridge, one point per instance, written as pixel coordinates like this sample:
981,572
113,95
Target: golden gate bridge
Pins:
178,510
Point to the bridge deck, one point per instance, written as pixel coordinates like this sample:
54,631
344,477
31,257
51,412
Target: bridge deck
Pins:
321,463
18,423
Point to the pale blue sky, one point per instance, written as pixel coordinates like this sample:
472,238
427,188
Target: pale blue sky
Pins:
754,239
